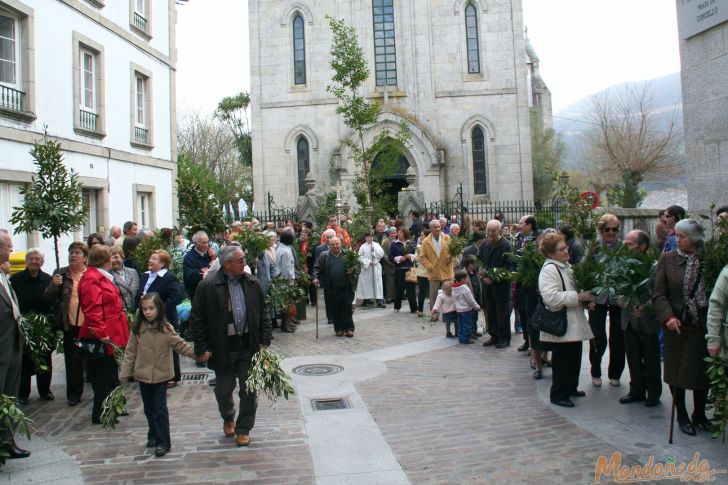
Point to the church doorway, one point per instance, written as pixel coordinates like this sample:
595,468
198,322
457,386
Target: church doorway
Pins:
388,179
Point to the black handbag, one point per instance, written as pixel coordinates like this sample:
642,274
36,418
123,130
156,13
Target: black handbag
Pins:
87,349
543,320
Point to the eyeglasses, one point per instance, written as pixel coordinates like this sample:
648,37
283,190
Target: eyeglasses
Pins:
614,230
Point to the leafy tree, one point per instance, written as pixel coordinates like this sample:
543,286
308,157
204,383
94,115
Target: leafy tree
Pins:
208,142
232,111
52,202
350,73
200,197
547,150
632,140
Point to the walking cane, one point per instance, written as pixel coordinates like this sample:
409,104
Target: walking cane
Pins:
672,418
315,292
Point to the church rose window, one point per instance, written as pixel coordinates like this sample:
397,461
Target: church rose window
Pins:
471,35
479,161
299,51
303,165
385,58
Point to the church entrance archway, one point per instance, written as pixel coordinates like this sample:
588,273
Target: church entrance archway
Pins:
388,171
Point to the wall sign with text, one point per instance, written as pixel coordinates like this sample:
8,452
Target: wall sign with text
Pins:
696,16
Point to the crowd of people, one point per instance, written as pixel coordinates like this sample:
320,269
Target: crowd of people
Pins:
678,320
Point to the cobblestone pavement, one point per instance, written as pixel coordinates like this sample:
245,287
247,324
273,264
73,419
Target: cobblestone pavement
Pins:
455,415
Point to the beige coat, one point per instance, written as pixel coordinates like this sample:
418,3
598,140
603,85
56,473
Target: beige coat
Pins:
148,356
555,298
438,268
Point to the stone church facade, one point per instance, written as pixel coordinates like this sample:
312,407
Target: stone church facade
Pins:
460,74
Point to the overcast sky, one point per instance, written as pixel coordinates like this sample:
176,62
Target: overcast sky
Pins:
584,46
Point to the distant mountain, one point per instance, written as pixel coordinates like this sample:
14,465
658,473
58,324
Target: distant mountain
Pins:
571,121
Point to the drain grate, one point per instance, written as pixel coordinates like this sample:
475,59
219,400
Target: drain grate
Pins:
329,404
195,376
317,369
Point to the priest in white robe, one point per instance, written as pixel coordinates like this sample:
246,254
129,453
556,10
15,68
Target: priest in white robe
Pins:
370,280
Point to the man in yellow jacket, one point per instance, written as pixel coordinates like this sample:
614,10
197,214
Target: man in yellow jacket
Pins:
435,256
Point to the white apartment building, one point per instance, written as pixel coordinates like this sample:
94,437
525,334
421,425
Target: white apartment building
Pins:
99,75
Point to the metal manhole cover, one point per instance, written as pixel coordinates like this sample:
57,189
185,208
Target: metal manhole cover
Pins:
195,376
317,369
329,404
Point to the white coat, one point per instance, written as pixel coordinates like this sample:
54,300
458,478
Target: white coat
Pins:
555,298
370,279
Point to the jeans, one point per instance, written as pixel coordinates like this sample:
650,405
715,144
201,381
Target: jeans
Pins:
465,326
154,397
239,365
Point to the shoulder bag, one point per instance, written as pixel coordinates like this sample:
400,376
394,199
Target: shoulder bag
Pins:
87,349
553,323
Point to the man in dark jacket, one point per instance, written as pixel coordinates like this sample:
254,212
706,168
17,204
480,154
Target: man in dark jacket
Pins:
230,323
339,286
30,285
493,254
640,338
527,296
196,262
11,343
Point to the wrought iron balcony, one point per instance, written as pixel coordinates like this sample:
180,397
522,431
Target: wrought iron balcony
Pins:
11,98
141,135
88,120
140,22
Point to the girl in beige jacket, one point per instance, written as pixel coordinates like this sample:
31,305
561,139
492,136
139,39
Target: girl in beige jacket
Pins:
148,358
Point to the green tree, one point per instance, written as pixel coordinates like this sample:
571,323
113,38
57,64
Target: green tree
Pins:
350,73
200,197
547,150
232,111
52,202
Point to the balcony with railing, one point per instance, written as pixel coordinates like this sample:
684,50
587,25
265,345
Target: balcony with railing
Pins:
140,23
88,120
11,98
141,135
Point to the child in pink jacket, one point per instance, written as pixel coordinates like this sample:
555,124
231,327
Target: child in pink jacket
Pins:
445,304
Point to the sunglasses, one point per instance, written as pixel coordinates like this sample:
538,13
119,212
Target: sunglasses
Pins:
611,229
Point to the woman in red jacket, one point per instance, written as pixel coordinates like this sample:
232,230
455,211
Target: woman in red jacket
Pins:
105,320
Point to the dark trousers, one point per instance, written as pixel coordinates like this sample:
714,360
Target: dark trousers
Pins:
339,308
388,285
154,397
104,376
643,358
10,382
700,398
401,287
74,366
566,364
527,300
499,324
598,323
423,289
239,365
465,326
42,379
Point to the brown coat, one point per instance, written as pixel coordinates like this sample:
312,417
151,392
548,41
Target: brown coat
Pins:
438,268
148,356
684,353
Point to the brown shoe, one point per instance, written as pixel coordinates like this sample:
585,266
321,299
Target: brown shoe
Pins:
242,440
339,333
229,428
489,342
350,333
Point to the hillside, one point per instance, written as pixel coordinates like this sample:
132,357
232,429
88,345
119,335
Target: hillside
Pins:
573,120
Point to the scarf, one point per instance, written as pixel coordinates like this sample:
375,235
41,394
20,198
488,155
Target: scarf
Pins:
693,285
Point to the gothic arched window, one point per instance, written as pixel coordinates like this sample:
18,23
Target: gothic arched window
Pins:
303,165
472,39
479,161
385,57
299,51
